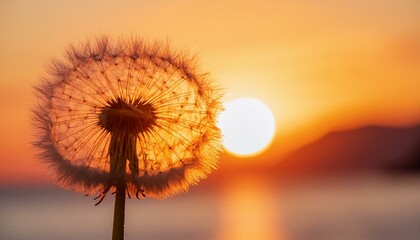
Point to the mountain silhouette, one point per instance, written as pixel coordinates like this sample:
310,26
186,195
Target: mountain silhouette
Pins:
361,150
366,148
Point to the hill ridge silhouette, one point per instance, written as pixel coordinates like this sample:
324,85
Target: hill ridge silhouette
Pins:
370,147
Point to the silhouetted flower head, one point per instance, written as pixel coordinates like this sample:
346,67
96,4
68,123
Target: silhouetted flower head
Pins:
131,105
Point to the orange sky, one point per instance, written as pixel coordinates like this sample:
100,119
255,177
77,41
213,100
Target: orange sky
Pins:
319,65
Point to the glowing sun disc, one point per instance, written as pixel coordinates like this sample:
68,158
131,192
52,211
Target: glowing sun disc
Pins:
247,126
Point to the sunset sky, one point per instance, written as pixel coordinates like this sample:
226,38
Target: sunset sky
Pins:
318,65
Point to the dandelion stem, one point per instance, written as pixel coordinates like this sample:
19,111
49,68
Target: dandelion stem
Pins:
120,145
119,213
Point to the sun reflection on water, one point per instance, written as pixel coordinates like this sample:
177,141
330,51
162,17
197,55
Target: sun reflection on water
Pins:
248,211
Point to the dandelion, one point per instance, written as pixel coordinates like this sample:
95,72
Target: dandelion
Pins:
127,116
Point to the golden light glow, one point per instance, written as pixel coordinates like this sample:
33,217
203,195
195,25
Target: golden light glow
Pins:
247,126
248,211
320,66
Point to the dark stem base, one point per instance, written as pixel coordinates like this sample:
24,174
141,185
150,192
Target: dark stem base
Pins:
119,212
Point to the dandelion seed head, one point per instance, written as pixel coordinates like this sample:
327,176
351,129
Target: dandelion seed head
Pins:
138,101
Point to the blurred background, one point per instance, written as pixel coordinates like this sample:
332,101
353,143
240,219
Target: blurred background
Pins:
342,79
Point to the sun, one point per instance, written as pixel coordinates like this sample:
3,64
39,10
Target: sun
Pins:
247,126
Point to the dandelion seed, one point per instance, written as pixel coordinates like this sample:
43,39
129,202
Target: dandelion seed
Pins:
128,115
